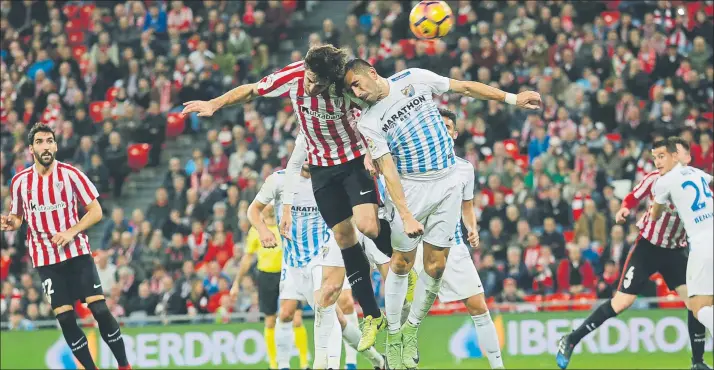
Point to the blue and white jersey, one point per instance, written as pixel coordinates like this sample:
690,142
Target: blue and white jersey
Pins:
688,189
309,230
407,124
466,173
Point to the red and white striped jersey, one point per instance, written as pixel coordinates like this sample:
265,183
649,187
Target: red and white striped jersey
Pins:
49,205
668,230
326,120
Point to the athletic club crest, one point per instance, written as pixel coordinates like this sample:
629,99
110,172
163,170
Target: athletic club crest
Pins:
59,185
408,91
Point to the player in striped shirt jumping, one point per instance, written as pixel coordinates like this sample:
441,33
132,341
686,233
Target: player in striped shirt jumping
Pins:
343,187
408,139
46,196
310,251
660,247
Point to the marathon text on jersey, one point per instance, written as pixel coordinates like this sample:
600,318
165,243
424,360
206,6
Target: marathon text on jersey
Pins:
404,112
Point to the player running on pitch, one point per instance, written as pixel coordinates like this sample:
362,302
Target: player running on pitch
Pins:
461,281
660,247
689,190
408,140
46,195
310,251
343,187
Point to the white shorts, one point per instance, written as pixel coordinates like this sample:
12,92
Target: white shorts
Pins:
301,283
460,280
700,277
434,203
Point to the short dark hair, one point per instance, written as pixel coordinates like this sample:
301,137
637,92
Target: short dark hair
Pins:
678,140
39,127
448,114
670,146
357,65
327,62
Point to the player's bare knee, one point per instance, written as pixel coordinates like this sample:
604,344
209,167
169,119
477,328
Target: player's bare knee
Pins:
401,263
435,263
368,226
345,234
297,320
346,302
622,301
476,305
329,293
270,321
62,309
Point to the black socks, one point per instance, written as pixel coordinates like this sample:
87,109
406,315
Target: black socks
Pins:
76,339
358,275
697,336
109,329
599,316
383,241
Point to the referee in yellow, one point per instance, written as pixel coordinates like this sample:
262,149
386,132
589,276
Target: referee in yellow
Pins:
269,268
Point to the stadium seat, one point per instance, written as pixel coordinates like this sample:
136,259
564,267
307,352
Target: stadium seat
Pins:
138,156
95,110
75,37
111,94
535,299
175,124
584,301
557,302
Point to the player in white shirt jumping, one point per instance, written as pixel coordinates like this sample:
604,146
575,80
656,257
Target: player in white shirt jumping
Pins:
689,191
461,281
310,250
409,142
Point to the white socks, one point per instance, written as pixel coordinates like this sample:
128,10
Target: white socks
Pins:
488,338
395,290
351,335
350,352
325,321
706,317
424,295
283,342
334,348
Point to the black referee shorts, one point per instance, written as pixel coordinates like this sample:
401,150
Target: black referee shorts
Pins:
646,259
340,187
268,292
68,281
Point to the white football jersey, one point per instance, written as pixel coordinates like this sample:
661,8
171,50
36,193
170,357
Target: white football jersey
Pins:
688,190
407,124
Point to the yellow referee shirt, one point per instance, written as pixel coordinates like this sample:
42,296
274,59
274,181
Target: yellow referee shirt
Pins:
269,259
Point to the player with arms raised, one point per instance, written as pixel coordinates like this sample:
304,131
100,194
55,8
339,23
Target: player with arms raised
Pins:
689,190
343,187
46,195
659,248
407,137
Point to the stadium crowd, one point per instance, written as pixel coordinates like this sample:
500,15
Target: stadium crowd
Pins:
613,75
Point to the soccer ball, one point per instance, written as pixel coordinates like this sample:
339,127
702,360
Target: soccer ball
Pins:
431,19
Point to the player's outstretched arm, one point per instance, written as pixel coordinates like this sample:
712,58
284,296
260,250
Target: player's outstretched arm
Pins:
394,186
239,95
526,99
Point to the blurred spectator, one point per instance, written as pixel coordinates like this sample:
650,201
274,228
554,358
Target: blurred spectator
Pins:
510,293
575,275
591,224
107,270
607,283
177,255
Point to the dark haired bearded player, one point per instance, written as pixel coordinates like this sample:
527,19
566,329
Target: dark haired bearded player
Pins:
337,157
46,195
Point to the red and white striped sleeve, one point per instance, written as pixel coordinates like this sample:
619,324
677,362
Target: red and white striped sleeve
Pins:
641,191
277,84
16,196
82,186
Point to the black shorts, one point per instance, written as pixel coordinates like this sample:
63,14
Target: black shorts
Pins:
646,259
268,292
339,188
68,281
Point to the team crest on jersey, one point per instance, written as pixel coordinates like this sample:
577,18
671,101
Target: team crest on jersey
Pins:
59,185
371,145
408,91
